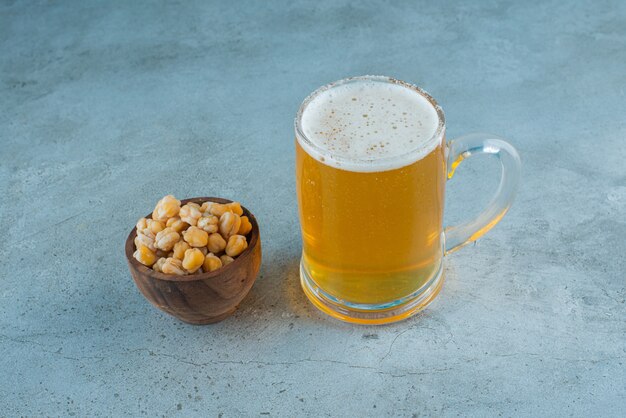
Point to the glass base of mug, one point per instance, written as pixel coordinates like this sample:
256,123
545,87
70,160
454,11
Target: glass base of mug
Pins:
371,314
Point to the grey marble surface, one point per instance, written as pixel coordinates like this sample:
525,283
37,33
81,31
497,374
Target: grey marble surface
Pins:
107,106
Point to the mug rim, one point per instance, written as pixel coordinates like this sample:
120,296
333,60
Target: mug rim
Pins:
437,136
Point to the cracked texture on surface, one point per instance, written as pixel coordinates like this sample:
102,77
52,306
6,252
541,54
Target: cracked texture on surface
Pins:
107,107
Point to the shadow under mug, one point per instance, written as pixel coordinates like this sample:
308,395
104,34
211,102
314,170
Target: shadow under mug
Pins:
373,240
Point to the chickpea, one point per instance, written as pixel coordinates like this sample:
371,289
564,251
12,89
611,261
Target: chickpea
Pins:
204,207
145,256
208,223
245,227
236,245
216,243
141,224
166,239
217,209
226,259
179,249
145,240
177,224
193,260
190,213
167,207
211,262
196,237
147,232
155,226
235,207
229,224
173,266
158,266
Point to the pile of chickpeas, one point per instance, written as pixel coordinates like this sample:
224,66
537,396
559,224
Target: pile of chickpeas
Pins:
191,238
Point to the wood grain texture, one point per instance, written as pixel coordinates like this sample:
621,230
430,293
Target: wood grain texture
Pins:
200,298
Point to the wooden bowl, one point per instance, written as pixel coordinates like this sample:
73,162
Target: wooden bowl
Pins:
201,298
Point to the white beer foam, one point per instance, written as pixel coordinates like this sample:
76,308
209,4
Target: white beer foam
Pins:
369,125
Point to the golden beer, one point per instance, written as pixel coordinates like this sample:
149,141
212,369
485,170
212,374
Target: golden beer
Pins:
373,237
370,177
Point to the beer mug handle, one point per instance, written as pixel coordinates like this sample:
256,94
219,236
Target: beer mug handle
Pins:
465,147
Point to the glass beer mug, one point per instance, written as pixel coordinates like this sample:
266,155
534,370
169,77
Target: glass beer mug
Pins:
371,167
